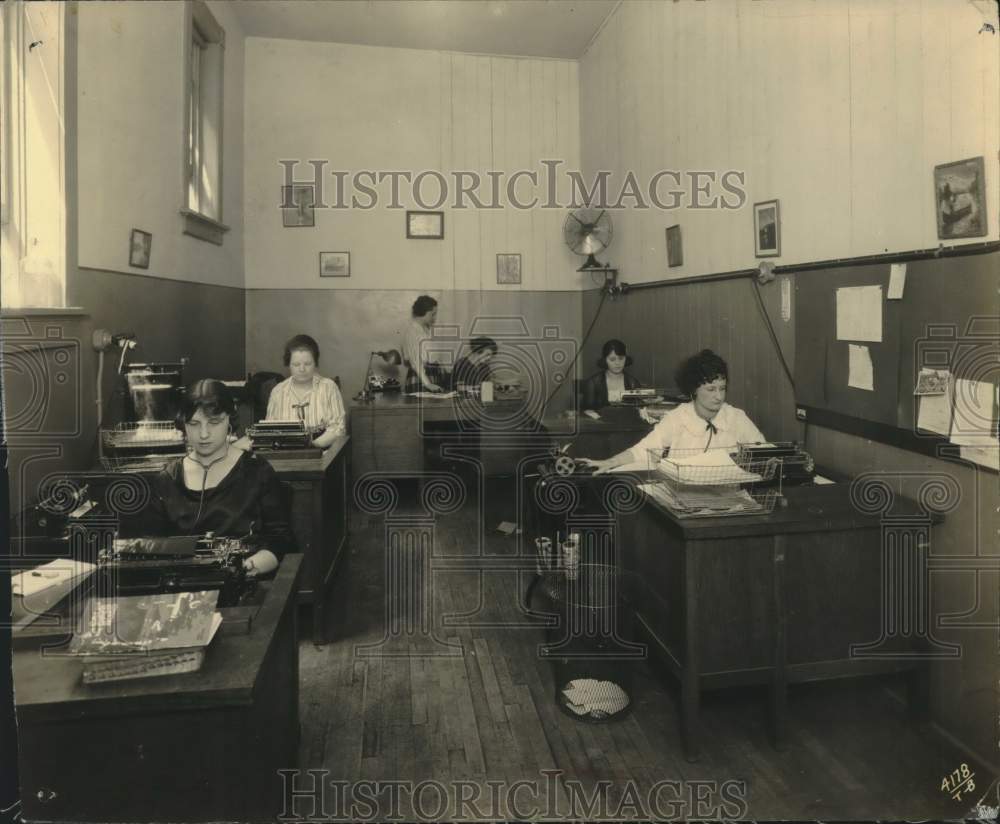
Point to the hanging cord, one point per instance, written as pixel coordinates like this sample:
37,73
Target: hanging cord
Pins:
586,337
770,329
204,480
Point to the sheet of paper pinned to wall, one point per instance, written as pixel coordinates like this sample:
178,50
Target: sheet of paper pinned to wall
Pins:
786,298
861,374
897,281
974,421
859,313
934,392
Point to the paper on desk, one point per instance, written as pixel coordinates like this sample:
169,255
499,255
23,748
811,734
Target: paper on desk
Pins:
443,396
860,372
859,313
897,281
53,574
714,467
974,421
42,591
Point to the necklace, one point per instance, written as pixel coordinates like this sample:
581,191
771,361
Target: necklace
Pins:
304,395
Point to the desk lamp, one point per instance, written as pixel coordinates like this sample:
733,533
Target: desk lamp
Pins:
391,357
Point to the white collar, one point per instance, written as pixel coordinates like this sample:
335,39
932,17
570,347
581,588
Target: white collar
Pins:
696,424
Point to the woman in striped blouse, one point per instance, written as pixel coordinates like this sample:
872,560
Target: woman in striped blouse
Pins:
306,395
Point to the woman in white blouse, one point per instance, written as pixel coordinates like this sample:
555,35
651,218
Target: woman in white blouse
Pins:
306,395
706,422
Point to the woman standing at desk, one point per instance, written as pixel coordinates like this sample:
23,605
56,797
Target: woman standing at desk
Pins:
706,422
306,395
216,487
608,385
416,356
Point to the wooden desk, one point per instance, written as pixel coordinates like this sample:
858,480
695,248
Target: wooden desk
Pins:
767,599
395,432
202,746
399,433
320,511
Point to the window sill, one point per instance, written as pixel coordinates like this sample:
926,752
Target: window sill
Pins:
203,228
43,311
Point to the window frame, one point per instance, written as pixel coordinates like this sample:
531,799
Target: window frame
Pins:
203,103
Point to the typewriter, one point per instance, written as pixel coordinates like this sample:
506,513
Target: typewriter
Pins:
139,566
283,436
795,465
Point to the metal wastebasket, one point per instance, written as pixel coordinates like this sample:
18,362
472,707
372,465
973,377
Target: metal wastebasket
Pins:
587,639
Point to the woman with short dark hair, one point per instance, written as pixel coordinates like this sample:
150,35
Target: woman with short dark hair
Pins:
308,396
706,422
608,385
474,368
416,356
215,487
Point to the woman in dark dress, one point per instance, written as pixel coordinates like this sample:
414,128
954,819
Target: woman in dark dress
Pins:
607,385
218,487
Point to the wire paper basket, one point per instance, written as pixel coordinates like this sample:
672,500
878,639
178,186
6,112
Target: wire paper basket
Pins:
137,463
143,435
713,484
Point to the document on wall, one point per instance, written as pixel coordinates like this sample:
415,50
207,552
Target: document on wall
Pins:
859,313
786,298
861,373
934,392
974,421
897,281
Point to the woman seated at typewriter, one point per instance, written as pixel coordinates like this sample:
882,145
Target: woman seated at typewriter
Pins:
306,395
472,369
608,385
706,422
216,487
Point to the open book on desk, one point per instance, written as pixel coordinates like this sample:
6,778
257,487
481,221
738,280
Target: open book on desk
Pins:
137,636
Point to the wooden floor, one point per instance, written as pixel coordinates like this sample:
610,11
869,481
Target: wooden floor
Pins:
486,713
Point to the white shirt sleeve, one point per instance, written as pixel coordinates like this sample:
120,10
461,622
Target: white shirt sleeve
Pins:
660,438
333,407
746,429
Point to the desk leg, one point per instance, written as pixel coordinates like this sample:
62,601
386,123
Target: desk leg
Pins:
690,677
319,565
779,674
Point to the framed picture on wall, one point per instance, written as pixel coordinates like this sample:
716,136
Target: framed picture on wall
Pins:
508,267
334,264
960,198
139,248
675,252
766,229
298,205
425,225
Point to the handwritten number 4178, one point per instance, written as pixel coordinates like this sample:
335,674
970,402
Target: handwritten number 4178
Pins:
958,781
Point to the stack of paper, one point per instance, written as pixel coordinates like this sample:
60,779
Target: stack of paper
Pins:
588,696
710,468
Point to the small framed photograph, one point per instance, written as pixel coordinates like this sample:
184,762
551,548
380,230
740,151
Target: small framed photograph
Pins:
425,225
298,205
767,229
334,264
508,267
960,199
675,252
139,247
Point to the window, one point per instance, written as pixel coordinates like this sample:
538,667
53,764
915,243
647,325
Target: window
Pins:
204,48
32,154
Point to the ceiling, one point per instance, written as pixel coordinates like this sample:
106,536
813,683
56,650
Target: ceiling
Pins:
535,28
